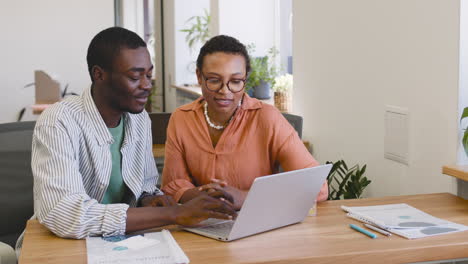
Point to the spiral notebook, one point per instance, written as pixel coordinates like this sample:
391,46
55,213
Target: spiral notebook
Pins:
403,220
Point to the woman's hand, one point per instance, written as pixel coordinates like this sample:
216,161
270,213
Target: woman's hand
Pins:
214,189
219,188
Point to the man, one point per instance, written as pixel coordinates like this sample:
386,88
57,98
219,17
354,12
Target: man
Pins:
92,155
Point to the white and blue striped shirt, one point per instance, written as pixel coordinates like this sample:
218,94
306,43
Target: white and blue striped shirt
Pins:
71,164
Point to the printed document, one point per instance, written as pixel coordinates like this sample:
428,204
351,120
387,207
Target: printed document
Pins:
154,248
403,220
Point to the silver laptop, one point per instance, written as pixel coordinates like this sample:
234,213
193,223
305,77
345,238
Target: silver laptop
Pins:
272,202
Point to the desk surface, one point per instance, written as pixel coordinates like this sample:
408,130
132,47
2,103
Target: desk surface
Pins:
193,89
322,239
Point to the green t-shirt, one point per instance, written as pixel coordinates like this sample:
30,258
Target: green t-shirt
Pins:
116,189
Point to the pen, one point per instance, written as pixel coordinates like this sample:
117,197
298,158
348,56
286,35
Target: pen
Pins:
381,231
362,230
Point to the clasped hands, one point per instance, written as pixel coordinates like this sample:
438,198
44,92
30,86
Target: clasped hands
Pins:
216,189
213,200
220,189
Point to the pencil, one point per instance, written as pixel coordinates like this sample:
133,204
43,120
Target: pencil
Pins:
381,231
362,230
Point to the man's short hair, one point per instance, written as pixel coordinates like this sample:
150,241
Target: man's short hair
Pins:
223,43
106,45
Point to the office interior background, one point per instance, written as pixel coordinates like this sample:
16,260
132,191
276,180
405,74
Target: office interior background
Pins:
352,62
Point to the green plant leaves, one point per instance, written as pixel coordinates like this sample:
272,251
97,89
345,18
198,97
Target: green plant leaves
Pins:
344,182
198,32
464,114
262,68
465,141
465,135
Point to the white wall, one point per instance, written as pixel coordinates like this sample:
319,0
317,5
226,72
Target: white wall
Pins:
51,35
284,21
351,58
250,22
133,16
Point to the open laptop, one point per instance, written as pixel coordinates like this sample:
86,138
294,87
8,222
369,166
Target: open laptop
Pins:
273,201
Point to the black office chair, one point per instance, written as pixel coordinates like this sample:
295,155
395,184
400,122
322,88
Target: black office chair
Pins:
295,121
159,123
16,180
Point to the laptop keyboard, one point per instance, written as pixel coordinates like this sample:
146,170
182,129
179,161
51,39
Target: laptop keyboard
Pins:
217,227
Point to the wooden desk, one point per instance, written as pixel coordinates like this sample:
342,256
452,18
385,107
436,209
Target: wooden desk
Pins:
322,239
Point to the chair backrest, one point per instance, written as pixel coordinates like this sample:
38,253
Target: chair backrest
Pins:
295,121
16,180
159,122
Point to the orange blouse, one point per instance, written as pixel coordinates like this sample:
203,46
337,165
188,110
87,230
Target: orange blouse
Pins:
254,143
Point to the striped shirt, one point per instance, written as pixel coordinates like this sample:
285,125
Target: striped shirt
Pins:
71,164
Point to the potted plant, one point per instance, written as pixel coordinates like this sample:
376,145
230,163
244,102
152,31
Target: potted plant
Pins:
262,74
198,32
282,92
344,182
465,134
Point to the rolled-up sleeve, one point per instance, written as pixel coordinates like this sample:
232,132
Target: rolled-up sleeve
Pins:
291,152
60,200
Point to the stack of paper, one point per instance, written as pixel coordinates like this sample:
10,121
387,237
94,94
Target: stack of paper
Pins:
403,220
157,247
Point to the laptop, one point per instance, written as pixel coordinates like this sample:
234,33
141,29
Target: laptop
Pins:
273,201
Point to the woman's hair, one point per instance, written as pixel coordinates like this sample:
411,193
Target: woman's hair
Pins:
226,44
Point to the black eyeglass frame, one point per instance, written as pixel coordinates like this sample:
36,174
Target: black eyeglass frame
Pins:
222,84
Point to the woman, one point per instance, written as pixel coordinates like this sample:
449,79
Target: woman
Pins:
225,139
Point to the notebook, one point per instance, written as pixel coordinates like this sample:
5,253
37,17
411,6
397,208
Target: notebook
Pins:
403,220
273,201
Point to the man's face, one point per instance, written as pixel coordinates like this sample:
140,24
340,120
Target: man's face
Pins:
129,83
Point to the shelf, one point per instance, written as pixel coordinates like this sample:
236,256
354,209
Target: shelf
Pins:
192,89
195,90
457,171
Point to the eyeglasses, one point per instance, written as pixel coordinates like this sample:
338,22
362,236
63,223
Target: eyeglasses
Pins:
215,84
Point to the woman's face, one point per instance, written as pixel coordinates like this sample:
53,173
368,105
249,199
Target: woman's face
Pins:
219,68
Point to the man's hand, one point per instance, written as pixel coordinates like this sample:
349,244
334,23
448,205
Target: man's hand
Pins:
158,200
202,208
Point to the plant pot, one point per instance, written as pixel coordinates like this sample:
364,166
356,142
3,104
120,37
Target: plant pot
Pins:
283,102
262,91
